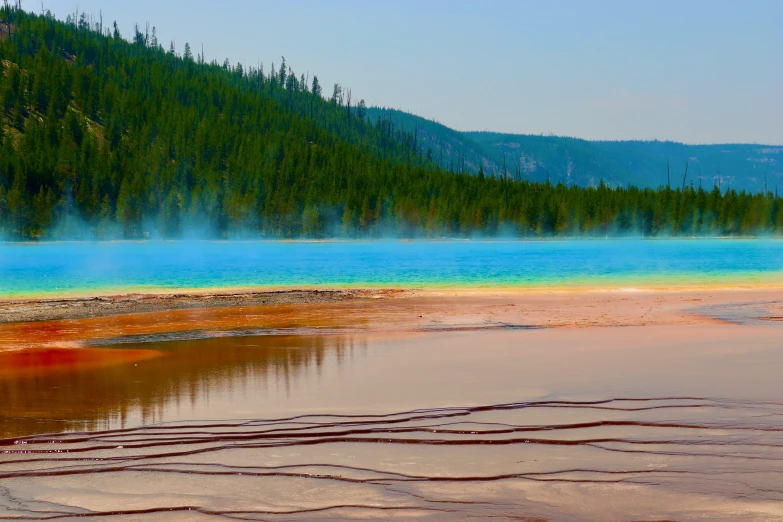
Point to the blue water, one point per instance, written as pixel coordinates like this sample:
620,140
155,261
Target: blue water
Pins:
90,268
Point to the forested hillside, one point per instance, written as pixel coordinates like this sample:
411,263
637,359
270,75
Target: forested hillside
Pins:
754,168
102,137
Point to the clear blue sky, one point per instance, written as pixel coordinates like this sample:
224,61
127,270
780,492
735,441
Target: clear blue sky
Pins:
695,71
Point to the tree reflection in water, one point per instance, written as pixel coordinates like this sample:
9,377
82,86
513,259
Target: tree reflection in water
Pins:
106,388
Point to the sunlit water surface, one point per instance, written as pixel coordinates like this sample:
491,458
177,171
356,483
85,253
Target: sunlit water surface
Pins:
87,268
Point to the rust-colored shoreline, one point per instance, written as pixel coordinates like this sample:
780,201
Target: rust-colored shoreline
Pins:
44,335
114,341
71,323
68,306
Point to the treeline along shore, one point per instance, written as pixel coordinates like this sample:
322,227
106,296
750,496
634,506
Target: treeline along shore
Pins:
107,137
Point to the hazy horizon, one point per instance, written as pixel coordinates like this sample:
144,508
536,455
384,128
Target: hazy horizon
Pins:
699,73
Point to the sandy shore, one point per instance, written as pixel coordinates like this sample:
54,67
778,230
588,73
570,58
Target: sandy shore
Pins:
551,307
49,309
101,321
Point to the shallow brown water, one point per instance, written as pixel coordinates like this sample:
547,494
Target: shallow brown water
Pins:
679,422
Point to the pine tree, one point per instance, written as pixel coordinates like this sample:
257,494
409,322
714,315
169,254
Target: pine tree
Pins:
361,110
316,88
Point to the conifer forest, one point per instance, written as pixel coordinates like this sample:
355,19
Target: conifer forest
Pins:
101,137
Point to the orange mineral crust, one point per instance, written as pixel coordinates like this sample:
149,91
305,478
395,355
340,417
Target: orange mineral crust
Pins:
37,362
410,311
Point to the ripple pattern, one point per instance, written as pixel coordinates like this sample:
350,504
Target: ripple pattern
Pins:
669,458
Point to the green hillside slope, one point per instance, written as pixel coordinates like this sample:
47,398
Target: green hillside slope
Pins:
104,132
449,149
105,138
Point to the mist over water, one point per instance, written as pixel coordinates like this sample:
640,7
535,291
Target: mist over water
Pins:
97,267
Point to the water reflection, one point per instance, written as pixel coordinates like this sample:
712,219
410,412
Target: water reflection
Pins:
98,389
590,424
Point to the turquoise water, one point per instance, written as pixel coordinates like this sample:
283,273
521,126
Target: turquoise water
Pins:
89,268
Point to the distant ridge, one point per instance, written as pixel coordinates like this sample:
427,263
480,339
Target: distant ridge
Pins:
585,162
